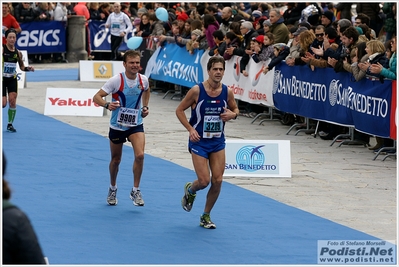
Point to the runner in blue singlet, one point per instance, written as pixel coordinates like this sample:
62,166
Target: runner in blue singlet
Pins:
212,104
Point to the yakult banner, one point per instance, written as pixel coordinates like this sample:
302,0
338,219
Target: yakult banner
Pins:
42,37
323,94
72,102
258,158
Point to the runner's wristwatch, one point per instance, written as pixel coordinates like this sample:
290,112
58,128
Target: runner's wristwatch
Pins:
106,105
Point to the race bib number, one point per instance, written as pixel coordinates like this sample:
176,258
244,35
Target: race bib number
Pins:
212,127
10,69
115,26
127,117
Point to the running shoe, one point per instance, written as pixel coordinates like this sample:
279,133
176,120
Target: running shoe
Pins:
188,198
11,128
136,197
111,199
205,221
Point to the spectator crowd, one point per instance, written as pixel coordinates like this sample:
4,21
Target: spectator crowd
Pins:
359,38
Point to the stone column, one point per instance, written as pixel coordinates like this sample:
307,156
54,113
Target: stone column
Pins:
76,39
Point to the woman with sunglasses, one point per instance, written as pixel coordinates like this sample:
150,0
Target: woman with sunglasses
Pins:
11,57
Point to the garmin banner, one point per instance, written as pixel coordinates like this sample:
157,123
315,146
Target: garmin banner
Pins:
325,95
174,64
42,37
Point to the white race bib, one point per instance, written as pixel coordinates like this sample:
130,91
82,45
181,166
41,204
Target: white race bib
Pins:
127,117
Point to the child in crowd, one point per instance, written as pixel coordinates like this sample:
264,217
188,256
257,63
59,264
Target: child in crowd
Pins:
263,48
195,35
252,45
281,51
220,45
231,40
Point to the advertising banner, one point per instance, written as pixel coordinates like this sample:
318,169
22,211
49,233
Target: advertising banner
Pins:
42,37
174,64
258,158
325,95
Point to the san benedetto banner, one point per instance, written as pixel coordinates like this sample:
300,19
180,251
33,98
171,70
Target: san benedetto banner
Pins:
258,158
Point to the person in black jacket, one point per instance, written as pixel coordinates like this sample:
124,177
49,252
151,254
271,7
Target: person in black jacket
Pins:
20,243
24,13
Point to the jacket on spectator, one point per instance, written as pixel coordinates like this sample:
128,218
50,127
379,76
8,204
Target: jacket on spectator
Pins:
378,58
357,73
390,72
280,31
321,62
60,12
344,10
236,42
157,28
23,14
95,14
209,33
218,50
265,54
225,25
146,29
280,57
38,12
20,243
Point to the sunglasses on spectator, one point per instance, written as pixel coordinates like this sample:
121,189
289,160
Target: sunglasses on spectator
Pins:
319,34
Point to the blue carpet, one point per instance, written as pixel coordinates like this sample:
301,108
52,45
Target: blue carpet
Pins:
53,75
59,176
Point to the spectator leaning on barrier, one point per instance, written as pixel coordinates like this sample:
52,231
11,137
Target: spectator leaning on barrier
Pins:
193,43
231,40
281,51
9,21
360,57
295,49
278,28
376,55
220,45
24,13
349,39
105,10
264,49
390,72
94,10
249,34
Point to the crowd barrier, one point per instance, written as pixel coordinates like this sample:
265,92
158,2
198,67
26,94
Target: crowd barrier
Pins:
368,106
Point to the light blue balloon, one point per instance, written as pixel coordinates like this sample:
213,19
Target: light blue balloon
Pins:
134,42
162,14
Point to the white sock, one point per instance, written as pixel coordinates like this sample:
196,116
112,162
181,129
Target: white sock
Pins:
113,187
135,189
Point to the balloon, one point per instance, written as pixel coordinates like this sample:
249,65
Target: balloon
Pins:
162,14
134,42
